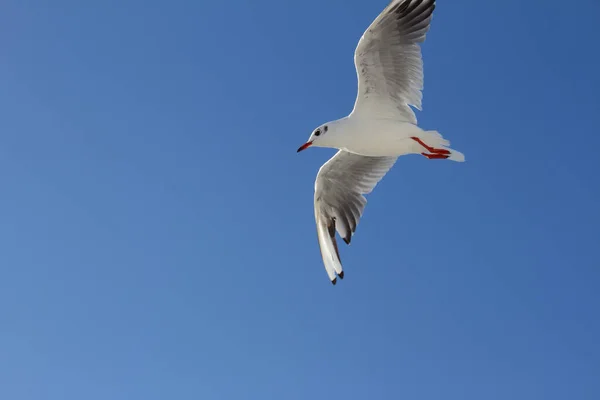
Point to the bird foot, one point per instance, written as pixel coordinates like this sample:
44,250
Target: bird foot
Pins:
431,149
435,156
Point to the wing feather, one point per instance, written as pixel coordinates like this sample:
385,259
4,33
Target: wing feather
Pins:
340,187
388,61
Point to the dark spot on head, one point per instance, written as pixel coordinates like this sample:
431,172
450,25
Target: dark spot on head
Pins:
317,132
325,128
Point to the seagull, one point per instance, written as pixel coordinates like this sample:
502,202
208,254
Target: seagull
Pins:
381,127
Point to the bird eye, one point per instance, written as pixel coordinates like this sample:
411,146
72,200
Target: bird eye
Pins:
317,132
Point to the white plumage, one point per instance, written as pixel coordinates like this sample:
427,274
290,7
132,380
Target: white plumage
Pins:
381,127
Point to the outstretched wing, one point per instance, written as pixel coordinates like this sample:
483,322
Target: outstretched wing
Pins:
388,61
340,187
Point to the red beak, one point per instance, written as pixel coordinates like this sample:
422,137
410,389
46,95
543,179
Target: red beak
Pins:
304,147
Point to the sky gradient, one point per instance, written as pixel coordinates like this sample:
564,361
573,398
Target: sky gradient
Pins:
157,237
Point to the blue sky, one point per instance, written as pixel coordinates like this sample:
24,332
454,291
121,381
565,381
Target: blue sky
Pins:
157,236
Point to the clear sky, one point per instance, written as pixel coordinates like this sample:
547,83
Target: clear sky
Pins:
157,238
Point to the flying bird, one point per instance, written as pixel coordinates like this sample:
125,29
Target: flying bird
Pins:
381,127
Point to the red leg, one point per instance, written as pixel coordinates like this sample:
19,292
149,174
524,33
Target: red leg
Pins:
430,149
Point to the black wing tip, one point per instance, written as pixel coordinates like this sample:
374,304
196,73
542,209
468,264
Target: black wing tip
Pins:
400,7
334,281
347,239
341,275
405,8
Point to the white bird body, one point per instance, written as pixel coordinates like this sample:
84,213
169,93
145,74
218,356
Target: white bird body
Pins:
381,127
387,137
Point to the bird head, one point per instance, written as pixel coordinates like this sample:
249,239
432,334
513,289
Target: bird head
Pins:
316,137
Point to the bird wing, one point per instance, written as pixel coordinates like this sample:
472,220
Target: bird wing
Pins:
388,61
339,202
